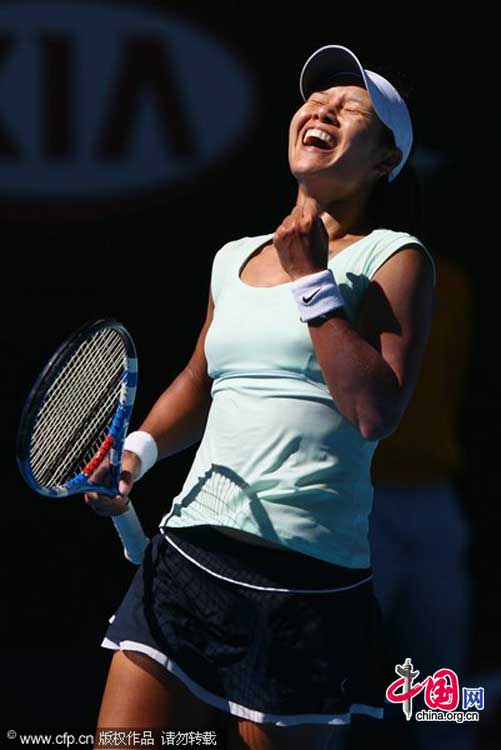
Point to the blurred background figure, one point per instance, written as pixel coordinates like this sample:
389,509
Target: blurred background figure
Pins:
420,533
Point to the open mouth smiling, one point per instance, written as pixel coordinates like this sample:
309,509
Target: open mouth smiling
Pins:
318,139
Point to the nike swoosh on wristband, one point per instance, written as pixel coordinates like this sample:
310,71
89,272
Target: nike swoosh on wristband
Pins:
308,299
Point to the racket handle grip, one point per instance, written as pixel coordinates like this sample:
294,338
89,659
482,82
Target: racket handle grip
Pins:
131,533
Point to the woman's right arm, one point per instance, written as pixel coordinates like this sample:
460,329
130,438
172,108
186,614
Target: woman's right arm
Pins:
176,421
178,418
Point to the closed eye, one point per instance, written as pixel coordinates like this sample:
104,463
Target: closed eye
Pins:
360,112
342,106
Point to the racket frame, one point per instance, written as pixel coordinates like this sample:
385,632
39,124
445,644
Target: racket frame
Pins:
113,443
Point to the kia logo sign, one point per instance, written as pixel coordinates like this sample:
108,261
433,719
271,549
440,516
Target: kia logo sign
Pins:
99,99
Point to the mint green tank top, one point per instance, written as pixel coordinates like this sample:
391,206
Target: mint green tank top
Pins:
277,459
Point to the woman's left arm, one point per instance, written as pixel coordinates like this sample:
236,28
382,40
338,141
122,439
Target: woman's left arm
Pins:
371,368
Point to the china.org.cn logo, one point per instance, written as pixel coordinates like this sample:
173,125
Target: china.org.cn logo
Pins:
441,693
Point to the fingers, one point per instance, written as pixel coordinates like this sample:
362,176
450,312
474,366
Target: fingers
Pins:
302,242
308,204
126,482
106,506
131,466
297,223
291,226
102,474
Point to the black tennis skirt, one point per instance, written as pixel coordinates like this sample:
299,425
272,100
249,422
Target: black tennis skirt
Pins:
267,635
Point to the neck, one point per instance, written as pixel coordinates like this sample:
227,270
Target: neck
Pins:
342,218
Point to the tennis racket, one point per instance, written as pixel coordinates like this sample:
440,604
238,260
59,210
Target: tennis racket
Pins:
76,417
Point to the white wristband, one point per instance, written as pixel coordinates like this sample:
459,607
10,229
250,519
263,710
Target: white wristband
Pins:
144,446
316,294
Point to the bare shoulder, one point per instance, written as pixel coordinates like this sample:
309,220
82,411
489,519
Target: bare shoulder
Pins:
396,312
402,285
411,259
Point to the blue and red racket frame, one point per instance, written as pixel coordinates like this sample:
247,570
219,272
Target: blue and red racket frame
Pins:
113,443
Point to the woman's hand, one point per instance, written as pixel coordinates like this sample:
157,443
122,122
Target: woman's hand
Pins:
106,506
302,241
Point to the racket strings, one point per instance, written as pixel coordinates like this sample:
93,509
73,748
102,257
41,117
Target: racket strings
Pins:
60,399
70,460
70,432
82,374
87,433
59,409
78,409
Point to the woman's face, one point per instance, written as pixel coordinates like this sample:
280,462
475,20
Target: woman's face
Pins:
346,156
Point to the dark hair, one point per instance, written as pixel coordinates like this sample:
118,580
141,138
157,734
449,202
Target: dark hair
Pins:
396,205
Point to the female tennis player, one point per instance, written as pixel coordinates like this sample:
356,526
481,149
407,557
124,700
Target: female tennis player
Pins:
253,611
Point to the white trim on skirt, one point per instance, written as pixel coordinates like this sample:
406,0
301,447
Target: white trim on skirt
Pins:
235,708
265,588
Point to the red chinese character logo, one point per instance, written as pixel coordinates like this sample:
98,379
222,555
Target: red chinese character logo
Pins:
442,690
